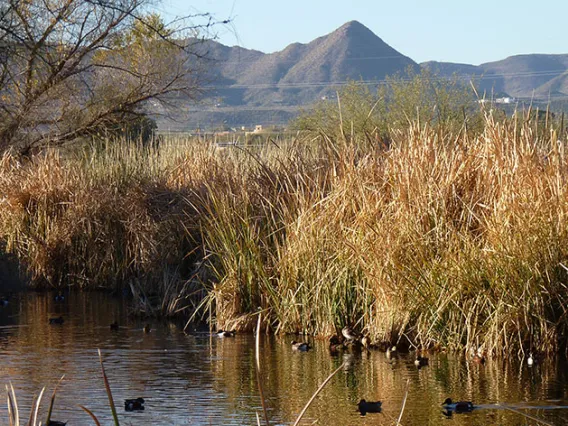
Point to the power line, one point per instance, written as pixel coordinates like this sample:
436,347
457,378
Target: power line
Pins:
528,74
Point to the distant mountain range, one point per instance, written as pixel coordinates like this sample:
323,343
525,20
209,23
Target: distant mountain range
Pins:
523,76
250,87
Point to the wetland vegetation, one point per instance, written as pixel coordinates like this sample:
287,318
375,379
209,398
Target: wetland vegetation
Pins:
424,235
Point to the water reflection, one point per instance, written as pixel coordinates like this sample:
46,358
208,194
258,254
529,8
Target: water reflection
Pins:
203,379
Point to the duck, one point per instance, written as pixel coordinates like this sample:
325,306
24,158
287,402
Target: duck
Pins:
3,301
59,297
366,342
114,326
421,361
300,346
369,407
478,357
58,320
349,333
225,333
391,352
458,407
147,329
134,404
530,360
56,423
334,345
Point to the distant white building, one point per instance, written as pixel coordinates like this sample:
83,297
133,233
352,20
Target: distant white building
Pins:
504,100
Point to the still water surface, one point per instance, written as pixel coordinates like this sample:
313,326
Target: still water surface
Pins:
198,379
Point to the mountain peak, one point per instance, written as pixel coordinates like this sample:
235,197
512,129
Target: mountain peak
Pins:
353,26
355,29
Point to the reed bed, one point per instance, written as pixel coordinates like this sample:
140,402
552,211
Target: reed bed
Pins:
440,239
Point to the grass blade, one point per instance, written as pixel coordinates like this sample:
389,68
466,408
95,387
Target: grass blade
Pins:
13,406
258,373
403,402
528,416
90,413
10,406
53,401
108,391
316,394
35,410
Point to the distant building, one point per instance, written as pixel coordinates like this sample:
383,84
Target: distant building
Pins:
504,100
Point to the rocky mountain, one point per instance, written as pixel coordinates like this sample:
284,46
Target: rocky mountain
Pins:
521,76
300,73
248,87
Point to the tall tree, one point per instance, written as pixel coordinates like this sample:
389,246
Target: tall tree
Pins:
71,68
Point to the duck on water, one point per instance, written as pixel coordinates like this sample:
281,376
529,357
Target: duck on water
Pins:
459,406
136,404
300,346
369,407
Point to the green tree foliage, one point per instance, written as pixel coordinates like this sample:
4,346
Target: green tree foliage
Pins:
358,111
446,103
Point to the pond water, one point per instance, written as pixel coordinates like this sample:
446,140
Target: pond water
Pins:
199,379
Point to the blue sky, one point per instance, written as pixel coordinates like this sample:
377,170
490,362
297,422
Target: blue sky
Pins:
444,30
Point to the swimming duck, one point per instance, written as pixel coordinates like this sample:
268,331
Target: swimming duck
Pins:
56,423
369,407
334,345
421,361
300,346
147,328
58,320
134,404
458,407
3,301
114,326
225,333
59,297
478,357
349,333
391,352
530,360
366,342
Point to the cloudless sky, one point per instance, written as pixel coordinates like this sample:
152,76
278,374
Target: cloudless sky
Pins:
468,31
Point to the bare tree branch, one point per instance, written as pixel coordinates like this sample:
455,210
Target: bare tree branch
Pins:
71,67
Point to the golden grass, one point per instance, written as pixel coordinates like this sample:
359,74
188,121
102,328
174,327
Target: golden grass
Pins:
441,239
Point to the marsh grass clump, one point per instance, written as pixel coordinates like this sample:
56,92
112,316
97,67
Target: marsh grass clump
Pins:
442,238
109,219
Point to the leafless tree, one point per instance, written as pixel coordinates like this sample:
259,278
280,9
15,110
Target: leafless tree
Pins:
71,68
